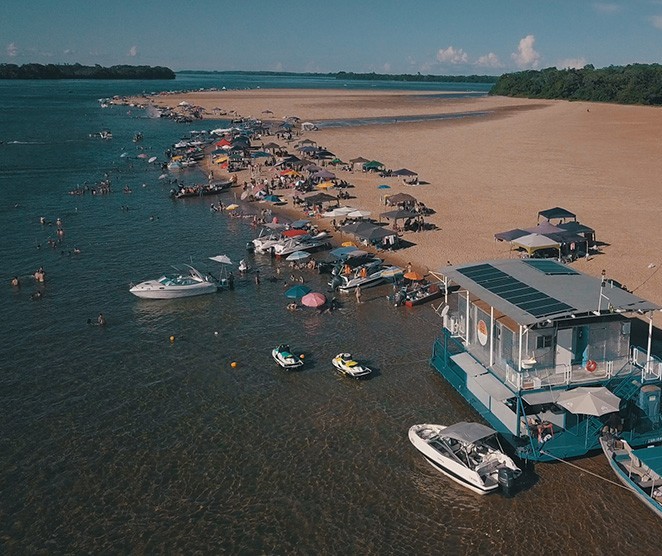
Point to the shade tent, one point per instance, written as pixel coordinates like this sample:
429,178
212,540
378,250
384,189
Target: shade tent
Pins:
319,198
400,198
373,165
375,233
556,212
576,227
398,214
544,228
359,214
510,235
404,172
533,242
359,160
324,175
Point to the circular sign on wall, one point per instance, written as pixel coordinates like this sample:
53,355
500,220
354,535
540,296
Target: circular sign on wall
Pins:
481,332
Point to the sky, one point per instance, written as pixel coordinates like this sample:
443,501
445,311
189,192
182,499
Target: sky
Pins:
439,37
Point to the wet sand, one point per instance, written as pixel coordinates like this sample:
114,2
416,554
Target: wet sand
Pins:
491,173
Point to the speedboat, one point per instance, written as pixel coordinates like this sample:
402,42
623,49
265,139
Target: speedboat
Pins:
185,284
365,276
289,245
468,453
285,358
348,366
636,469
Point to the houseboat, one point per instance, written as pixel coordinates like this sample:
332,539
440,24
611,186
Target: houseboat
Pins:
520,335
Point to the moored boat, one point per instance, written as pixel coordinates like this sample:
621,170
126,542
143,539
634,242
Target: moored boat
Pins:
423,294
185,284
639,470
468,453
201,190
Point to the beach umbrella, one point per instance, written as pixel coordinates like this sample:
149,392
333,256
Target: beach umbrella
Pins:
398,214
336,161
298,256
272,198
348,244
325,175
589,400
223,259
340,252
244,195
312,168
404,172
313,299
325,185
260,154
413,276
232,207
383,186
299,224
297,292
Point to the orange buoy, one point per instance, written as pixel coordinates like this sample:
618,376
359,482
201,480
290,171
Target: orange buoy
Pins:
233,364
591,366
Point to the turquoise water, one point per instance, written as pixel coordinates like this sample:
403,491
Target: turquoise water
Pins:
115,439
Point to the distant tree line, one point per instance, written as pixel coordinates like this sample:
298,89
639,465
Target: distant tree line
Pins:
77,71
633,84
363,76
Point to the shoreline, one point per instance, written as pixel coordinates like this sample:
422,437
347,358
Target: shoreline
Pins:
493,173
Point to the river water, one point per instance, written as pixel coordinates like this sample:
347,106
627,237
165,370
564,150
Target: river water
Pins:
115,439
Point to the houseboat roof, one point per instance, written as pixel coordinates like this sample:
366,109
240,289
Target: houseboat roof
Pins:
532,291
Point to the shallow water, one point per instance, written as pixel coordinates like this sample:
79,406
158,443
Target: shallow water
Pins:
115,439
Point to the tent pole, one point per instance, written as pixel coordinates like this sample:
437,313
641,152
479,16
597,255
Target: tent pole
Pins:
491,335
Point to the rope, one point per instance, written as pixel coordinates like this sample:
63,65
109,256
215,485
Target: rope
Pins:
585,470
646,280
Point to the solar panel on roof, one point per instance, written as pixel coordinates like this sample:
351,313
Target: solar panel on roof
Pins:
550,267
521,295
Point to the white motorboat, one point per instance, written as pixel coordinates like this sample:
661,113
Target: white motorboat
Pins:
288,246
468,453
639,470
185,284
285,358
348,366
365,275
264,242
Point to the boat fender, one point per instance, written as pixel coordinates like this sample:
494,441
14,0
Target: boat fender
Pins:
591,366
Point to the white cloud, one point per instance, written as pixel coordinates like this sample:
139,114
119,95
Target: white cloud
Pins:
571,63
387,68
278,66
12,50
606,8
656,20
69,51
490,60
526,56
133,51
452,55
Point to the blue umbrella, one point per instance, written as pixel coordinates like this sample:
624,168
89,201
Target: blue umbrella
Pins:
340,252
272,198
297,292
298,256
383,186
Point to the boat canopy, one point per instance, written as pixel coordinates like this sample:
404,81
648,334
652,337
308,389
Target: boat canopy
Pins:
467,432
651,457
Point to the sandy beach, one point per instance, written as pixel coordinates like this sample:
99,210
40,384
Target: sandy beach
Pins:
494,172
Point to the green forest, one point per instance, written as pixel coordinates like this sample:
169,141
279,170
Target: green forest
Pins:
632,84
351,76
77,71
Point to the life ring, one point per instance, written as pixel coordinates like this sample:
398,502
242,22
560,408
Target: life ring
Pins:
591,365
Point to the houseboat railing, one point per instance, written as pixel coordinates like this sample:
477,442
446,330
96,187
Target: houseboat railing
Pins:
650,367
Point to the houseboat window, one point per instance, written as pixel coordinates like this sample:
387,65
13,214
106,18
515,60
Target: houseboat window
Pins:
543,342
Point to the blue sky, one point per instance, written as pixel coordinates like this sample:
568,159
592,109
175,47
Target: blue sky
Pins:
442,37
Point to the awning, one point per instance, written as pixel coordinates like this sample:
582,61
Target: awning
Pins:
652,457
469,364
494,387
537,398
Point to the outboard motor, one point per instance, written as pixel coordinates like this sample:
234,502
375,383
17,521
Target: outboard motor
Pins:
506,480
